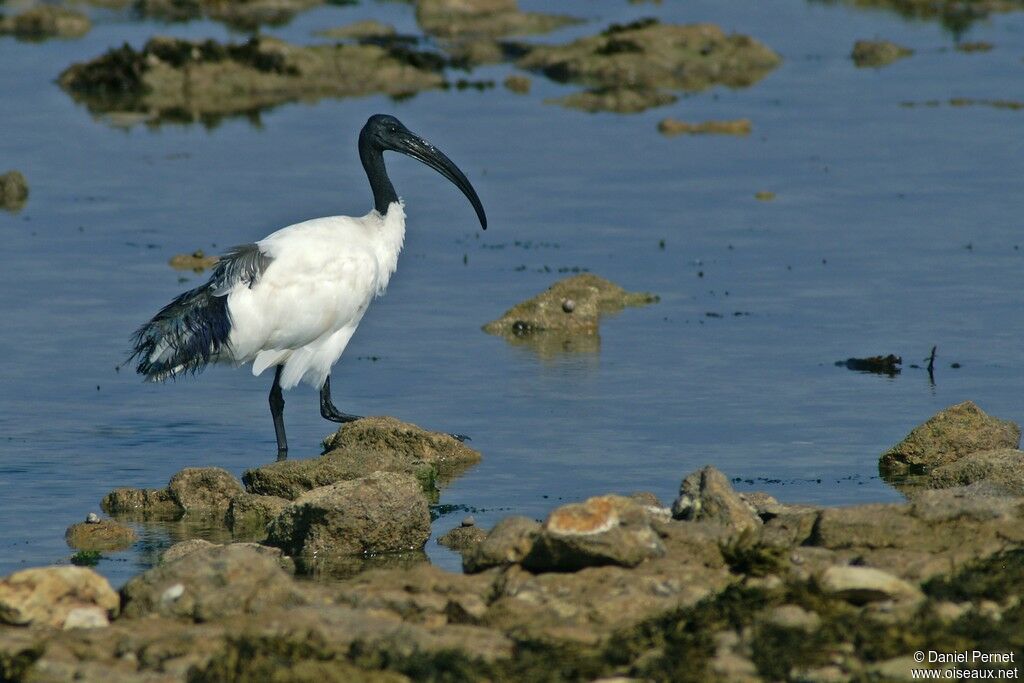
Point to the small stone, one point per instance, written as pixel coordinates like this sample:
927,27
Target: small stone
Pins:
86,617
13,190
877,53
469,521
173,593
861,585
568,305
764,196
518,84
92,518
507,543
706,495
463,539
794,617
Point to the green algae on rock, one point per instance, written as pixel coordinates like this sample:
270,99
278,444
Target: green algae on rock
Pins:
13,191
239,14
877,53
45,21
574,304
947,436
654,59
105,534
487,18
178,80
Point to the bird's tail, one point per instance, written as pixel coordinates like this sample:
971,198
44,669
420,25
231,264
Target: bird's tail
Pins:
185,336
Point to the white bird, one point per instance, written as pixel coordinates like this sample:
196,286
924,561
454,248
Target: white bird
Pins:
294,299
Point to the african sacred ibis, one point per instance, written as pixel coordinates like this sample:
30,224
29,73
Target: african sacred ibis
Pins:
294,299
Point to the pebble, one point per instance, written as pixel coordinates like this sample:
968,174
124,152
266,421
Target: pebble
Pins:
568,305
92,518
469,521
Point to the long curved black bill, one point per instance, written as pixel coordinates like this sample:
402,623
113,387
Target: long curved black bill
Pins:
421,150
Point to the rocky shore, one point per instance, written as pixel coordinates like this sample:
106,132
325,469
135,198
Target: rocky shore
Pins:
717,586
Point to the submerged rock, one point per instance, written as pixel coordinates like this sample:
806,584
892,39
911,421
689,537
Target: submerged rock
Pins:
197,261
180,80
955,14
491,18
548,312
877,53
359,29
676,127
13,191
100,535
49,596
621,100
385,512
946,437
46,21
647,56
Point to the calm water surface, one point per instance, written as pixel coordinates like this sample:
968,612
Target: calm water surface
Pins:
894,229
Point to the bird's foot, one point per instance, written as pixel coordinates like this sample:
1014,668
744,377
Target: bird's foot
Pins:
282,454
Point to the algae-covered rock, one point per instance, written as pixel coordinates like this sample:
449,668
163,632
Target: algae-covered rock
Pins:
240,14
47,596
464,538
103,534
251,513
1002,470
204,489
600,531
648,56
672,127
706,495
141,503
572,306
946,437
508,542
877,53
46,21
955,14
621,100
359,29
13,191
385,512
210,583
180,80
493,18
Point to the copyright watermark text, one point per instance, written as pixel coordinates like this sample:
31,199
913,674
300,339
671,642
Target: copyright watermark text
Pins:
966,665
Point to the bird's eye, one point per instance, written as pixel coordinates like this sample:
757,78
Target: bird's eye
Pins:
392,129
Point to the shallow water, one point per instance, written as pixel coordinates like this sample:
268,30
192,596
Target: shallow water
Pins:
894,229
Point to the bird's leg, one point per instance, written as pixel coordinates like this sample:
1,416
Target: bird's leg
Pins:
327,409
277,412
329,412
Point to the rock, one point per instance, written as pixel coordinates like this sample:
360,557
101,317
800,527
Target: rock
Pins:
180,550
1001,471
877,53
593,297
946,437
508,542
647,56
359,29
212,583
86,617
600,531
240,14
250,513
142,503
384,437
794,617
289,479
518,84
46,21
764,196
980,501
463,538
860,585
706,495
179,80
46,596
615,99
103,535
204,489
13,191
492,18
197,261
674,127
878,365
92,518
385,512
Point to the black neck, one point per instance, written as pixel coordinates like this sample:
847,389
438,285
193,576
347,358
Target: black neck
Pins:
372,157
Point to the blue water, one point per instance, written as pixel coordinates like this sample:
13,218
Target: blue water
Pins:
894,229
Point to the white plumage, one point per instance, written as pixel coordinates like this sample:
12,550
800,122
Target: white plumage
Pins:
307,304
